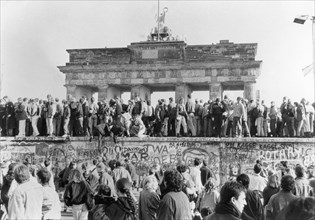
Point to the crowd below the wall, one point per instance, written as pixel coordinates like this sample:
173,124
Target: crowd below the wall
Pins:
138,118
105,190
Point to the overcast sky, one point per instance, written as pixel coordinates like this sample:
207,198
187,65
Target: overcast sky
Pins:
36,34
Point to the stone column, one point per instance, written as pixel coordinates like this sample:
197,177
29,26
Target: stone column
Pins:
141,91
70,91
249,91
215,91
182,90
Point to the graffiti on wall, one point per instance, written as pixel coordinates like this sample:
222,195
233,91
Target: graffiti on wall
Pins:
226,159
167,154
17,153
236,158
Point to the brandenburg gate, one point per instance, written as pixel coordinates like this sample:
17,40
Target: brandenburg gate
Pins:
162,63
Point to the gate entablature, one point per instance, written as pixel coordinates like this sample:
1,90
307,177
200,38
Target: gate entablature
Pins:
144,65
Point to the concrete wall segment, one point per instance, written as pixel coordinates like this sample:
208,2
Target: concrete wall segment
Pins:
227,157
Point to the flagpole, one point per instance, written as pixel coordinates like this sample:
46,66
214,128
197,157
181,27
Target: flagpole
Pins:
158,29
313,36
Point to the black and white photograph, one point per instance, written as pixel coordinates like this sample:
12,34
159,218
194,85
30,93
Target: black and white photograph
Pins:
157,110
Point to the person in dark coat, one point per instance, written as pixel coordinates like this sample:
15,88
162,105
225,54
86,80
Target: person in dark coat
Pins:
205,173
85,112
271,188
21,116
254,209
280,201
10,120
64,174
217,113
74,124
7,180
124,207
102,200
2,118
77,195
232,202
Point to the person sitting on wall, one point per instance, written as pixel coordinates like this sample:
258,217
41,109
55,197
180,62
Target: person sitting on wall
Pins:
110,129
137,128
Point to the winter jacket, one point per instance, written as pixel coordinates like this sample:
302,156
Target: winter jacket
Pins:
120,210
225,212
20,112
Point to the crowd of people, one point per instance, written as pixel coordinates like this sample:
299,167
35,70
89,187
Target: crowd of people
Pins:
100,189
195,118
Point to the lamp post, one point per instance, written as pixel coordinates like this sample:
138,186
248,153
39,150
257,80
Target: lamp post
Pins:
301,20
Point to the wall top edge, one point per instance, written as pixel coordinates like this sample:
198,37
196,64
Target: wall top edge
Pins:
161,139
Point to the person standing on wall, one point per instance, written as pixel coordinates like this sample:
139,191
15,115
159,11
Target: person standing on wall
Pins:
217,113
66,118
92,117
190,109
21,117
181,117
57,120
172,117
238,113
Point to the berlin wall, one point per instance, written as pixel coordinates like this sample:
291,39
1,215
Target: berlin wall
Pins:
227,157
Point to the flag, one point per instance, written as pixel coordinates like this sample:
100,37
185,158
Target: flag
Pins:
308,69
300,19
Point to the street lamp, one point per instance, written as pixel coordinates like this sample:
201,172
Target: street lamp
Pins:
301,20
